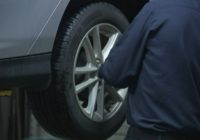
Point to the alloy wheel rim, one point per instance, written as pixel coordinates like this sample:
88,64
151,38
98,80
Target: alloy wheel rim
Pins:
97,100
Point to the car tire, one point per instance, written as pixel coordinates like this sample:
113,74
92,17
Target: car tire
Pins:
59,109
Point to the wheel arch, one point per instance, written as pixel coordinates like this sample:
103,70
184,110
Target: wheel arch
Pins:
129,7
67,8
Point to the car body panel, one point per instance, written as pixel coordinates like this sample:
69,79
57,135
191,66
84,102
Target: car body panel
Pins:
29,26
28,29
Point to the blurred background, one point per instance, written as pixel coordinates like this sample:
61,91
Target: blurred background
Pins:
18,123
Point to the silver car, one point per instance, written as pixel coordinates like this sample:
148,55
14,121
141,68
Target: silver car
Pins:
53,49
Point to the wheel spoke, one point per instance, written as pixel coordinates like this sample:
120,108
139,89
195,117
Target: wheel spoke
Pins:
100,102
97,42
85,70
110,44
80,87
114,93
92,100
89,51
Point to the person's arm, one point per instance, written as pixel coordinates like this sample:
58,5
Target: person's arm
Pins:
125,59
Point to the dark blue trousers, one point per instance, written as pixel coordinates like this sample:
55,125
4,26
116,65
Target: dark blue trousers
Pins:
135,133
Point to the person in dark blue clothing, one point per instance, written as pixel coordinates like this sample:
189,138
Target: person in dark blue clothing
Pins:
158,58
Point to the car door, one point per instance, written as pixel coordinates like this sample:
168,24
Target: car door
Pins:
22,23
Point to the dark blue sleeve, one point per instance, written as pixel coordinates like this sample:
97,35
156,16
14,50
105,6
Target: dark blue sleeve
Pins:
124,61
